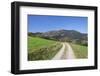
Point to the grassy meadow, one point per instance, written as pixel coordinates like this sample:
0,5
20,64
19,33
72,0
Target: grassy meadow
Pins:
42,49
80,51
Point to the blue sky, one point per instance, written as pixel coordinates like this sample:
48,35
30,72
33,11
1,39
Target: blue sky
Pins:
44,23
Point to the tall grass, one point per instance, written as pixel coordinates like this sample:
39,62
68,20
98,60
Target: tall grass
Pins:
42,49
80,51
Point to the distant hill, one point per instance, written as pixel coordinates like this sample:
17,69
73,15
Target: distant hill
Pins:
63,35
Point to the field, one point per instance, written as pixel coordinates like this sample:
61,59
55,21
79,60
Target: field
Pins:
42,49
80,51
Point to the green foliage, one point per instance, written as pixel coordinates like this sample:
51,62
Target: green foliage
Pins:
80,50
30,34
42,49
80,42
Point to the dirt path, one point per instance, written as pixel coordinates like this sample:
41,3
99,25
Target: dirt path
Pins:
69,53
60,53
66,52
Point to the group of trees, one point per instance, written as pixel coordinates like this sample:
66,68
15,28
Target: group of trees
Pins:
76,41
81,42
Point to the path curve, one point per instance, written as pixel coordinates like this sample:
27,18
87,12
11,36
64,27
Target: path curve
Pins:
65,53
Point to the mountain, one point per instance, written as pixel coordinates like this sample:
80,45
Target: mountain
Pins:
63,35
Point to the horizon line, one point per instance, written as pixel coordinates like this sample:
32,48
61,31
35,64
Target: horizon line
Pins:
58,30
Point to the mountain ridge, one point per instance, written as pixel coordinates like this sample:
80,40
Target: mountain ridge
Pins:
62,35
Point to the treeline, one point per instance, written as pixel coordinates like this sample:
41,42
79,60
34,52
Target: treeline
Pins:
61,39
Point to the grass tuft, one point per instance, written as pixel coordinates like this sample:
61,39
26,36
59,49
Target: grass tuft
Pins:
80,51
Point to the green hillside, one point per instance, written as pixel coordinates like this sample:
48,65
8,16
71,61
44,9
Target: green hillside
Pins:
80,50
42,49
